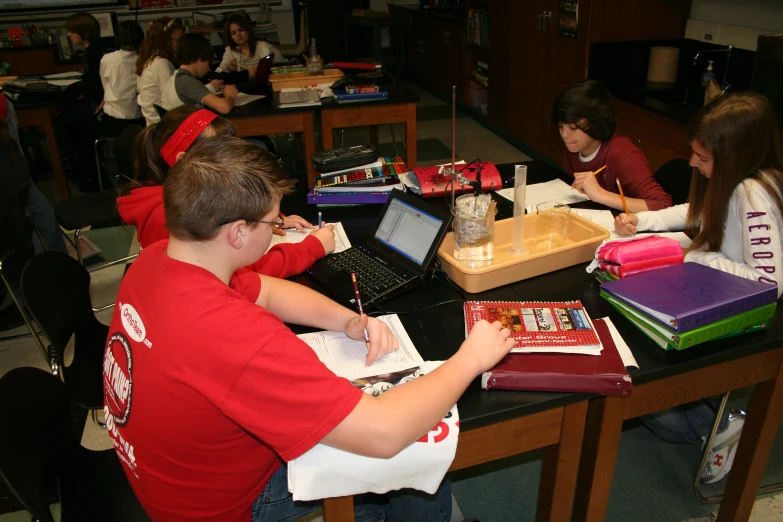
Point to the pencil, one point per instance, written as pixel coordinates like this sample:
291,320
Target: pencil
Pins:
599,170
359,303
622,196
320,220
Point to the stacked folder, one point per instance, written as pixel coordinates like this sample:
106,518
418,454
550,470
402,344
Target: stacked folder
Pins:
371,183
688,304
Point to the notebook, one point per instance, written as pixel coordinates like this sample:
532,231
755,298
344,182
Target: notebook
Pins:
395,258
557,372
687,296
539,327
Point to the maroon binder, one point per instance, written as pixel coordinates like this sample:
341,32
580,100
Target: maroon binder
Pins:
563,372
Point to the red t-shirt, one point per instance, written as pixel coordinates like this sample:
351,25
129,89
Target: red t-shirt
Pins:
626,162
206,392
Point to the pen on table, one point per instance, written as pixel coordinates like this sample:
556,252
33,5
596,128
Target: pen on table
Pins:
599,170
320,220
622,196
359,304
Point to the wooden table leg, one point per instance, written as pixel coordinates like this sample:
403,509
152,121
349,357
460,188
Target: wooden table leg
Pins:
338,509
560,467
309,143
758,435
410,136
327,132
599,455
54,153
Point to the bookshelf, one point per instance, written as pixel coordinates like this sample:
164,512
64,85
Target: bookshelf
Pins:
477,54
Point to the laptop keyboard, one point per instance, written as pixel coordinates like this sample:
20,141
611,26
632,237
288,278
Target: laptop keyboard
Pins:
374,279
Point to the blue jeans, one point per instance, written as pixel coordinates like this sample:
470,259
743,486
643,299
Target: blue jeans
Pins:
275,504
43,216
686,423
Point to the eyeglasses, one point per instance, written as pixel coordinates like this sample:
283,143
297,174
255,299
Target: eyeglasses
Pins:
278,223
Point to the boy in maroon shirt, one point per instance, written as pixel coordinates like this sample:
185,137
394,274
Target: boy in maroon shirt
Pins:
584,114
208,393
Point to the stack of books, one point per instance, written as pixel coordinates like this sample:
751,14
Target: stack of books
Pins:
688,304
481,73
267,32
478,27
367,184
298,97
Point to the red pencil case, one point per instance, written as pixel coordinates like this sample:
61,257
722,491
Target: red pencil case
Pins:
624,258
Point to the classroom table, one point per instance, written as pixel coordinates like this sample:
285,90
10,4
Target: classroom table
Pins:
42,115
500,423
399,107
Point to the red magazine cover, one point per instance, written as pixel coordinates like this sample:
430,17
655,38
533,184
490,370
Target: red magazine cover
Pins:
434,184
539,326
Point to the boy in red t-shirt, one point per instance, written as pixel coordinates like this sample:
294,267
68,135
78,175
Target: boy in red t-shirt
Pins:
584,114
207,392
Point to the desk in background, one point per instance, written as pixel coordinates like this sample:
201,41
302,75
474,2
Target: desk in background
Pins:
42,115
665,379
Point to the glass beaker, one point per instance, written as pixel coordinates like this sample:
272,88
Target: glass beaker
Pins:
552,225
474,229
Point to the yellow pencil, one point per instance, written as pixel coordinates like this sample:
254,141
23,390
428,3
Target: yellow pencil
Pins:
599,170
622,196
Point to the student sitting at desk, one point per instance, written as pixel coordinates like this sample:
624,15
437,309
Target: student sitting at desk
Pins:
584,114
736,201
194,53
159,147
155,64
243,50
118,76
222,392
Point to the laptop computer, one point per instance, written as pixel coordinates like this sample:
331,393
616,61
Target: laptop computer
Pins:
395,258
262,72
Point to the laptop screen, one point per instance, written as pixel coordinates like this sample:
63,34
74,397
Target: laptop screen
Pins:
407,230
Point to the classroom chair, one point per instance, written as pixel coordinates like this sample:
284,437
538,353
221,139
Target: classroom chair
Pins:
674,177
40,451
304,36
57,288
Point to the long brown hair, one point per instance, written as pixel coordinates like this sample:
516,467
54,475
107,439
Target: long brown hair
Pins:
742,134
157,42
243,23
148,165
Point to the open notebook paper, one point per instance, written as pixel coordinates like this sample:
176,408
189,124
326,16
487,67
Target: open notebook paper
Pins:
602,218
62,75
555,190
244,99
64,83
292,235
346,357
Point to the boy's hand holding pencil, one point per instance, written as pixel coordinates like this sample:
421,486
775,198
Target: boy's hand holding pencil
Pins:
587,184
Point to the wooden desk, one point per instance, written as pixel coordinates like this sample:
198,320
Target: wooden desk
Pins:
400,107
261,117
42,115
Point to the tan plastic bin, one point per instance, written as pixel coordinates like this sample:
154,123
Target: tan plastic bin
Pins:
302,79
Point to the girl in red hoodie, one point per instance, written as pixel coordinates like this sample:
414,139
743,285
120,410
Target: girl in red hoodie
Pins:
158,147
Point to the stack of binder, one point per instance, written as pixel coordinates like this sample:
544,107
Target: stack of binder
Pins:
369,184
684,305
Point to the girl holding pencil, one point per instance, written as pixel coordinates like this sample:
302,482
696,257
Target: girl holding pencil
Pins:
736,202
597,158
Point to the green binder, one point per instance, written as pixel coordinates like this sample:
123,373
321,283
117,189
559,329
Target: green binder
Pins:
746,322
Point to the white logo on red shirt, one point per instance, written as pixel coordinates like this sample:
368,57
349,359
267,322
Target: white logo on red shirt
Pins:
132,323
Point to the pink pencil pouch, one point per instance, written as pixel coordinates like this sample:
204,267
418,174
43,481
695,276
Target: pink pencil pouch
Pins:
625,258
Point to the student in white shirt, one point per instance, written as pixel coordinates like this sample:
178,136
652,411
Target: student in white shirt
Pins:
736,200
118,76
243,50
155,64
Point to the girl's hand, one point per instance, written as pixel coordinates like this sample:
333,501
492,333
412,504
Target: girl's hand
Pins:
232,65
625,224
382,341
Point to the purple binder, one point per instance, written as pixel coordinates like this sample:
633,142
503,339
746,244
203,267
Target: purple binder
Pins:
350,198
690,295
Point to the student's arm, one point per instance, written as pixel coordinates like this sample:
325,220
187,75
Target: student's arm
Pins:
228,57
762,251
222,104
385,425
288,259
588,185
672,219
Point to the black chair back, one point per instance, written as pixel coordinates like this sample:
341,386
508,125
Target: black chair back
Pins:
674,177
34,434
16,240
122,148
57,289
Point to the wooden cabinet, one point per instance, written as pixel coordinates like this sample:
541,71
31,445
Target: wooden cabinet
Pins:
622,20
660,138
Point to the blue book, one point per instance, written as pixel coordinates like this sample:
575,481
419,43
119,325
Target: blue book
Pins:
689,295
342,97
349,198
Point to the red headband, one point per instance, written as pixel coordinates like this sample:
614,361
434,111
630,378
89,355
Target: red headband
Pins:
185,135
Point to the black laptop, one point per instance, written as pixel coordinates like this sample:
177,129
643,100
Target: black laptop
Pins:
396,257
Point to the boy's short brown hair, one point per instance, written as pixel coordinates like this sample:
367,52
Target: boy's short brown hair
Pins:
218,181
85,25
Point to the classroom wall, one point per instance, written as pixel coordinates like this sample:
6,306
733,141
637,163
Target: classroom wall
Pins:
737,22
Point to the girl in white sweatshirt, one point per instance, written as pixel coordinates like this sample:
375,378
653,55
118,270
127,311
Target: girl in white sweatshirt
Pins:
243,50
736,201
155,64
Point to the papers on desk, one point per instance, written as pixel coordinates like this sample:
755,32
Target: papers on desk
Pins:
244,99
602,218
629,361
63,75
63,83
555,190
346,357
292,235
